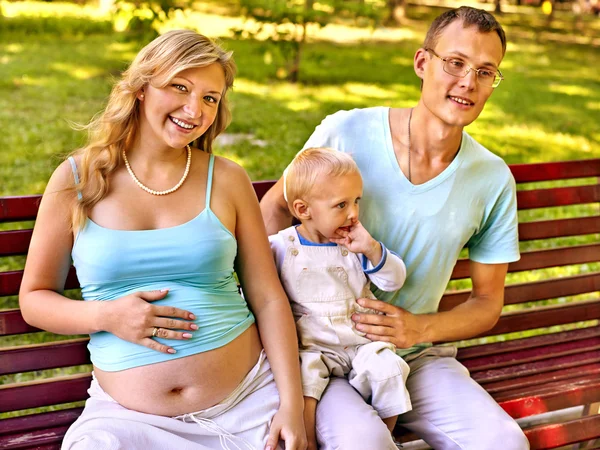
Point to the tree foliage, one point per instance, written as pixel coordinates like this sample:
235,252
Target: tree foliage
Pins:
145,15
283,24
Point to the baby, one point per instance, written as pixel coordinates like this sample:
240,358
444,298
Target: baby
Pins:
325,264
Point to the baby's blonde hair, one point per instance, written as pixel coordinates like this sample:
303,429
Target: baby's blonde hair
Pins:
300,176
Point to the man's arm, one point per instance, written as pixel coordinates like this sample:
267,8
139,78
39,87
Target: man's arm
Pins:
475,316
274,209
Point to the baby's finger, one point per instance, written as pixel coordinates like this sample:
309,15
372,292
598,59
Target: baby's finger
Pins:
155,345
171,311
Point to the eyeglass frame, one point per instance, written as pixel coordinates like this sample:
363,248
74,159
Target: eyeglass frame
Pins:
468,70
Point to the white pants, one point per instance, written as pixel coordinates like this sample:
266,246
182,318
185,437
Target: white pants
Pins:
240,422
450,412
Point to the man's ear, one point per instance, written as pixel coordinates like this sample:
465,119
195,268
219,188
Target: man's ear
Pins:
420,60
301,209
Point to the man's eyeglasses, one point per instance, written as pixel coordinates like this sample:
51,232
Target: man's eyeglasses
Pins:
458,68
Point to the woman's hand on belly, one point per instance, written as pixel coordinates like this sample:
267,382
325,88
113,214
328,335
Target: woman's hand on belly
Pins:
134,318
183,385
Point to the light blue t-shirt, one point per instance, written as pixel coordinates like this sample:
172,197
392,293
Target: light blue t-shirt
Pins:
472,204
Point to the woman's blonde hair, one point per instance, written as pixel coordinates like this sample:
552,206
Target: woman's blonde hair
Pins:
111,131
300,176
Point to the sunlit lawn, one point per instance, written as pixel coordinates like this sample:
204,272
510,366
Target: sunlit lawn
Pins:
547,109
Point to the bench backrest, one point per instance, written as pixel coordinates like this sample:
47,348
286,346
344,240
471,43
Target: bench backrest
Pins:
556,281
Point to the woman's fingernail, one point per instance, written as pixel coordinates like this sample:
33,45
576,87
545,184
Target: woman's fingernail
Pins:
187,335
164,290
172,351
194,326
192,317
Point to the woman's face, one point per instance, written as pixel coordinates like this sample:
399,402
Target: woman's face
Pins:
184,109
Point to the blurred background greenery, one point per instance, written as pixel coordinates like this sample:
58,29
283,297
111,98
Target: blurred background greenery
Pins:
58,60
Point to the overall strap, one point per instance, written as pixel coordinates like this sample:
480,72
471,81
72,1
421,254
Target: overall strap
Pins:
211,167
75,175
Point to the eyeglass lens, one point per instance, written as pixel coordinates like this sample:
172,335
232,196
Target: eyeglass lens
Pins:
459,68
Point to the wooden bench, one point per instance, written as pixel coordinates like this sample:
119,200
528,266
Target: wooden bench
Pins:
550,372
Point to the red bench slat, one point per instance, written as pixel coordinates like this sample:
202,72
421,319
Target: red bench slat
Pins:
11,281
546,317
49,438
544,437
560,196
533,354
44,356
548,171
15,209
552,397
541,259
11,322
552,288
534,291
34,395
520,381
261,187
530,368
14,242
39,421
541,341
545,229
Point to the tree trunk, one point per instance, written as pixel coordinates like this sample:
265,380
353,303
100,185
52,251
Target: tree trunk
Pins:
295,69
396,11
498,8
550,14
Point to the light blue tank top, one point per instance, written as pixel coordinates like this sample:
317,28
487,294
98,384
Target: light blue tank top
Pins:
193,260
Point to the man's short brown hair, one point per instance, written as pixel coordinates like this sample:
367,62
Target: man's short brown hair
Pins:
483,20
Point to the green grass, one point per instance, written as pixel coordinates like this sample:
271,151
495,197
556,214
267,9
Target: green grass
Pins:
547,108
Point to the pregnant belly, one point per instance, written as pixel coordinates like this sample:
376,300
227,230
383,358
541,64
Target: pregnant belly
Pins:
221,316
184,385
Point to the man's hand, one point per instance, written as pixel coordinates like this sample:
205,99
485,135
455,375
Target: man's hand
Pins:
395,325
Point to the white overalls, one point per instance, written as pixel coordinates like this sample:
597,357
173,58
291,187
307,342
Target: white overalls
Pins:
323,283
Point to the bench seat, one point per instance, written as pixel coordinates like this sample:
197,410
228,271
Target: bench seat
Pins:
540,362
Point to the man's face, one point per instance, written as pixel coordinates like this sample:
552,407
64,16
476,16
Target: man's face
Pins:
458,101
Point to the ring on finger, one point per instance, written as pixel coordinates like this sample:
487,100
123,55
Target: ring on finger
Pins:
155,331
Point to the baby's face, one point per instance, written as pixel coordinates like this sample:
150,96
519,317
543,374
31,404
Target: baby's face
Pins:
333,204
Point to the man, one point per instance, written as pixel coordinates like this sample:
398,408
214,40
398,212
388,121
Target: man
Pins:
430,190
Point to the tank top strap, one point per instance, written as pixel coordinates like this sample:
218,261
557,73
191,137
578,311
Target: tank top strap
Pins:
211,168
75,175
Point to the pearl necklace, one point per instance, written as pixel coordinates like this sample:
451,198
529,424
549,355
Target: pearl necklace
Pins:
168,191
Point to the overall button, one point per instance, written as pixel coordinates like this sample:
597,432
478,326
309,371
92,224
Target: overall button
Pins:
294,252
291,238
344,252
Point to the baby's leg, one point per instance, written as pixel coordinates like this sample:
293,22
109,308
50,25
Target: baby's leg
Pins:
390,422
379,374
